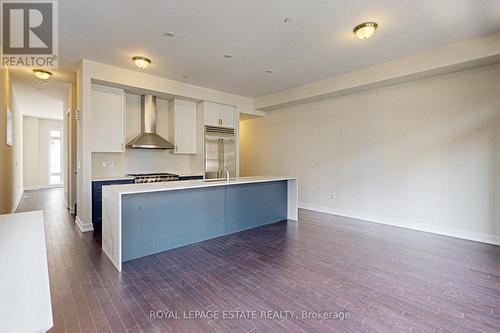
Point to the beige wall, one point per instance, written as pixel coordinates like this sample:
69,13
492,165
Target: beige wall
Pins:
6,152
11,182
36,151
424,154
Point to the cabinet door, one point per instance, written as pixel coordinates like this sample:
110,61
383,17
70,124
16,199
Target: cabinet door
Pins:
226,113
211,114
185,127
108,106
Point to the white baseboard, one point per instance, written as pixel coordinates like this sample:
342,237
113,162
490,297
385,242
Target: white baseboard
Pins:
40,187
16,203
84,227
452,232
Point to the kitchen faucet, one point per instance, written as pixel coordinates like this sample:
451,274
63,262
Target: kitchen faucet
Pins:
226,170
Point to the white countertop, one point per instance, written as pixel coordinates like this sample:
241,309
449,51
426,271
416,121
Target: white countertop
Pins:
109,178
24,282
106,178
188,184
112,197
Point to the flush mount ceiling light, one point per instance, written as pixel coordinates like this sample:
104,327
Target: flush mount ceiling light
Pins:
42,74
287,20
228,55
269,71
141,62
365,30
169,34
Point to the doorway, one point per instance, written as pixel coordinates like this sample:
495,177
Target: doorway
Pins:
55,157
43,153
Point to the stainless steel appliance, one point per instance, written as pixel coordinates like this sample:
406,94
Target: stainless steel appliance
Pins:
220,153
148,139
140,178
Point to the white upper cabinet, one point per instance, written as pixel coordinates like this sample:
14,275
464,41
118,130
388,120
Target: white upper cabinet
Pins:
183,126
108,110
220,115
226,113
211,114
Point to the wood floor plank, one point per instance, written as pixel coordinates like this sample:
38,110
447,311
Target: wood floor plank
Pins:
387,279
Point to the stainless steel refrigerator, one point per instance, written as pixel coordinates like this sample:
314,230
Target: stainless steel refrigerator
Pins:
220,152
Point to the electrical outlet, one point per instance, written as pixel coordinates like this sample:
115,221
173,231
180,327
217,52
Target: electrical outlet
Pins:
111,164
333,196
103,165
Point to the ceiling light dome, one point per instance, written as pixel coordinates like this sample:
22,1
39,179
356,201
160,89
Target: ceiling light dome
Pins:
365,30
141,62
42,74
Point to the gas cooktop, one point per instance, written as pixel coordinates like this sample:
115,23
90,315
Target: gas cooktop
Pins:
156,177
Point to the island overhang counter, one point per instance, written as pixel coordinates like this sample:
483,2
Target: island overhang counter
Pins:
143,219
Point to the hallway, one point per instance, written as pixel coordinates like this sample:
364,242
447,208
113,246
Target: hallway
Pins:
425,282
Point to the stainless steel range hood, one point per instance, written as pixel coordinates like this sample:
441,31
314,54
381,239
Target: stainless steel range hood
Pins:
148,139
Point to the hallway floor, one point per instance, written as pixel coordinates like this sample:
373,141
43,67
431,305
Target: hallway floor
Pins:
386,279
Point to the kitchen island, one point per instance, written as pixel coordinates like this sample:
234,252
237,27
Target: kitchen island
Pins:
143,219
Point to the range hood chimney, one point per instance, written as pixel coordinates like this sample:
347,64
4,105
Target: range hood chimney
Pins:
148,139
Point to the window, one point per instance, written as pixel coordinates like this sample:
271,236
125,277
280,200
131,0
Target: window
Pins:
55,133
55,160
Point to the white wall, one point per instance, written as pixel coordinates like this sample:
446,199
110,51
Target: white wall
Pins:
424,154
133,161
36,151
92,72
31,151
72,170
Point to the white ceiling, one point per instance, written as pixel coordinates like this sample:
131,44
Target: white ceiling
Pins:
319,43
42,101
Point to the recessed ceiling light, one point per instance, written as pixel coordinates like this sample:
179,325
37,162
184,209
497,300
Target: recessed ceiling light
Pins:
269,71
184,76
169,33
141,62
287,20
42,74
365,30
228,55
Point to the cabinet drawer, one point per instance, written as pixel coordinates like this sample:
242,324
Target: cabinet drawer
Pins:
196,177
97,197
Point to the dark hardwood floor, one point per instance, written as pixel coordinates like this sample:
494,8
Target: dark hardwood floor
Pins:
386,279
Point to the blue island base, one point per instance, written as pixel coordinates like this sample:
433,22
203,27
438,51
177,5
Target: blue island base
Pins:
153,222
